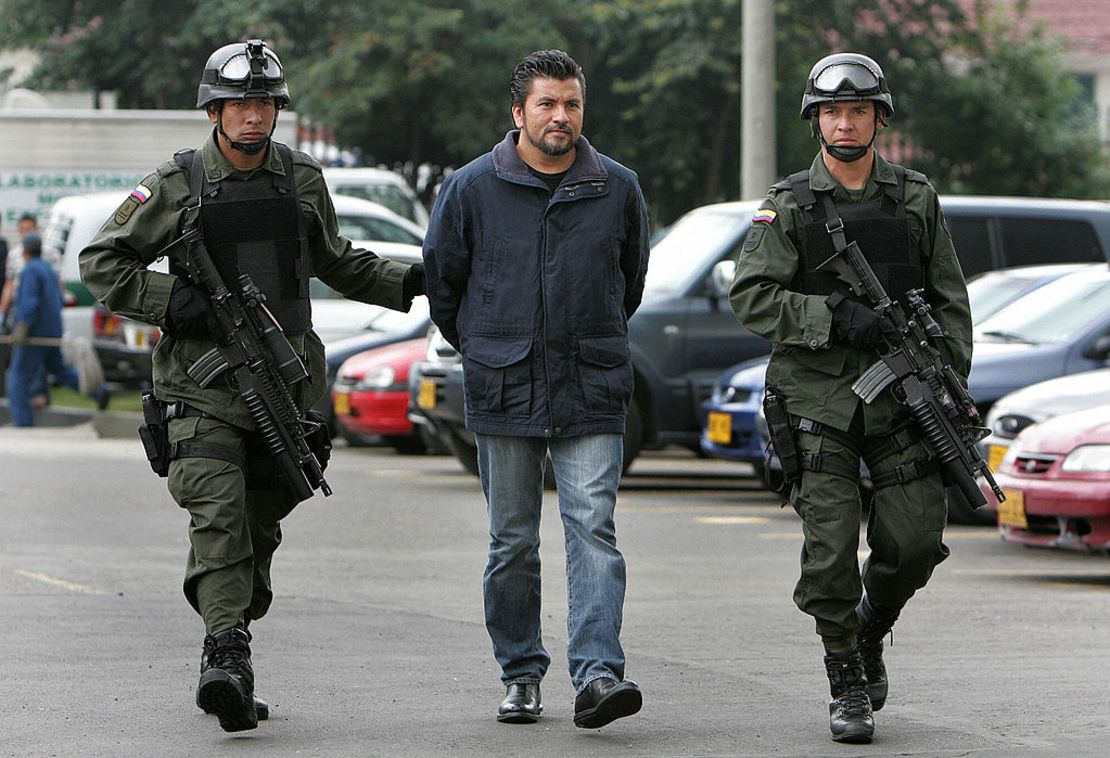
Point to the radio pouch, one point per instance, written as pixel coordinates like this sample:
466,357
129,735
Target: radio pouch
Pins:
154,434
782,438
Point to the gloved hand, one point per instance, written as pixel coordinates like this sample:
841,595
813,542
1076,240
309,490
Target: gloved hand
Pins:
853,322
20,333
413,283
189,314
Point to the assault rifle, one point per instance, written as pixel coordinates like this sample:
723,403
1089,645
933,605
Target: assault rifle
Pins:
263,365
912,362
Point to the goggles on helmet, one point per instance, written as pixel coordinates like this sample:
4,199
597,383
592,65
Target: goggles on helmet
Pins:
846,76
255,66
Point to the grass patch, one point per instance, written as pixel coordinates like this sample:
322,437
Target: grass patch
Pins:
122,400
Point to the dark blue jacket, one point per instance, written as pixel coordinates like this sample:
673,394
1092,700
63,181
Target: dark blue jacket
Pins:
535,289
38,299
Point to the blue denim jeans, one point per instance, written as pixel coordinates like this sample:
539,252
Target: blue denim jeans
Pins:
587,472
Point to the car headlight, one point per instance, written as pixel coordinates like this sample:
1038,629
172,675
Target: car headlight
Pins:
1088,458
380,378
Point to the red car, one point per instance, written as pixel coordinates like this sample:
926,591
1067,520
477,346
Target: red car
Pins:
1056,476
371,396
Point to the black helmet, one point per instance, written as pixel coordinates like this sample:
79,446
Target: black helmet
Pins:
846,76
243,70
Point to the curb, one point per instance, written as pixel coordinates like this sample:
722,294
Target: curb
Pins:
106,424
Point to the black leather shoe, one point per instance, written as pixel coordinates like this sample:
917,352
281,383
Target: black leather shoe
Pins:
521,704
605,700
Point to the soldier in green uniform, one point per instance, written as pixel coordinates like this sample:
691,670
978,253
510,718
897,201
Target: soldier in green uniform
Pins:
264,210
824,338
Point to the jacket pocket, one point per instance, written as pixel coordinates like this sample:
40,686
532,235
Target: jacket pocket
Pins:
498,374
605,372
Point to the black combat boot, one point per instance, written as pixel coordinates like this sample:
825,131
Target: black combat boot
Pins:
261,707
850,717
874,624
227,680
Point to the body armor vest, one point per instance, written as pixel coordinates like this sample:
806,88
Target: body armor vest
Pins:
880,229
256,227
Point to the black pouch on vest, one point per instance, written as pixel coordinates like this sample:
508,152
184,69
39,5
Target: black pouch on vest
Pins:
155,434
782,438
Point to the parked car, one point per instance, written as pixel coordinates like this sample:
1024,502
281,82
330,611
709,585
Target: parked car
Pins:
1039,402
991,291
380,186
1056,476
370,397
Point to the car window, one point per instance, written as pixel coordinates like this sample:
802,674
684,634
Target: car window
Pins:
396,321
990,292
972,242
391,197
1038,240
374,229
684,251
1054,313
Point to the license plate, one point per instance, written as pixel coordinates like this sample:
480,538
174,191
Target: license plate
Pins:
719,428
995,454
427,397
1011,512
342,404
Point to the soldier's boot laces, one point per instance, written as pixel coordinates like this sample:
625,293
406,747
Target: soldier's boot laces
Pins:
874,624
850,717
227,680
261,707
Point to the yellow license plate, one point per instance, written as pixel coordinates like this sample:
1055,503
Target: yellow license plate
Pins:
342,404
427,397
719,428
995,454
1011,511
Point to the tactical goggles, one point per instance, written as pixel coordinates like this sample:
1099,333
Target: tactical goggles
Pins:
252,65
841,76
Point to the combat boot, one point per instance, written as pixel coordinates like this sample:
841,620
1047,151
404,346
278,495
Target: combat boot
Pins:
261,707
850,717
227,680
873,625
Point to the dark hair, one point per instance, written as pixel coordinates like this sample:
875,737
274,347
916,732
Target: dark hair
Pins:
553,64
29,217
32,245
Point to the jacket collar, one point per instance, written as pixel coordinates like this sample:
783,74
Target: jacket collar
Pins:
217,167
509,165
820,180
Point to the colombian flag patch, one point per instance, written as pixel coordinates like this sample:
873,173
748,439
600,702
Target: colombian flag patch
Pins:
765,214
141,193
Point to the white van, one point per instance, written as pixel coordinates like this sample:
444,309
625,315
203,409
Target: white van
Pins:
380,186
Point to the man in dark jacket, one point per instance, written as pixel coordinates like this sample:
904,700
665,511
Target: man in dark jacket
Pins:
536,254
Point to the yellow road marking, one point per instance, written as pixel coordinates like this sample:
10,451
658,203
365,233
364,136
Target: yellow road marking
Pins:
60,583
732,520
976,534
724,509
1033,573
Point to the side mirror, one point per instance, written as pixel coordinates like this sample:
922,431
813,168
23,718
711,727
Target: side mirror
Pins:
1099,350
720,278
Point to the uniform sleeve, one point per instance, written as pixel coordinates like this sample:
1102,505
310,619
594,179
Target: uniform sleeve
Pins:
760,293
114,264
357,274
945,289
446,261
634,256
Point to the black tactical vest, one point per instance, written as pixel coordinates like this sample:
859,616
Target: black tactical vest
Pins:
256,227
880,229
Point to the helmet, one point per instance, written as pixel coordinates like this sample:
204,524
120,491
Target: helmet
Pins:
846,76
242,70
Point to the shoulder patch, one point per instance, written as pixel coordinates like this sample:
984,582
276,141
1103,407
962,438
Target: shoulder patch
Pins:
765,214
304,159
123,213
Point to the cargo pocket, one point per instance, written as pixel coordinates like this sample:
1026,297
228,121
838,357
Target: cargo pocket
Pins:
498,375
605,372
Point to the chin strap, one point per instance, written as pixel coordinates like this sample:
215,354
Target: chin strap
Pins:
845,154
250,148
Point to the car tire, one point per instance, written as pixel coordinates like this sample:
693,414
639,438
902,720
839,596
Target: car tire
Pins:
407,444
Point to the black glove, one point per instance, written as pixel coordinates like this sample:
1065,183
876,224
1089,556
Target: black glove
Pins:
853,322
189,314
413,283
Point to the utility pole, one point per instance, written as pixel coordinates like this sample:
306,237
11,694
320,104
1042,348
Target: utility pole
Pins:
757,99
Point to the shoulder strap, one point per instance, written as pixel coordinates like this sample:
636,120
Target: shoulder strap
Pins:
893,194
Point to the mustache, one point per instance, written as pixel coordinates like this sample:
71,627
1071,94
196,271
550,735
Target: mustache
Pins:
556,128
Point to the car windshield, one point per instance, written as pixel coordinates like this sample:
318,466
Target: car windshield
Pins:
990,292
1054,313
684,250
375,229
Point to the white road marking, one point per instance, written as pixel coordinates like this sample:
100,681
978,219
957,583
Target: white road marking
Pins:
60,583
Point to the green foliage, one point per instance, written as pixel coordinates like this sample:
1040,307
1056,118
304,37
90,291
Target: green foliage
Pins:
981,106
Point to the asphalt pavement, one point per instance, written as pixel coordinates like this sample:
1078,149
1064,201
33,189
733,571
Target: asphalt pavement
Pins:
375,643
